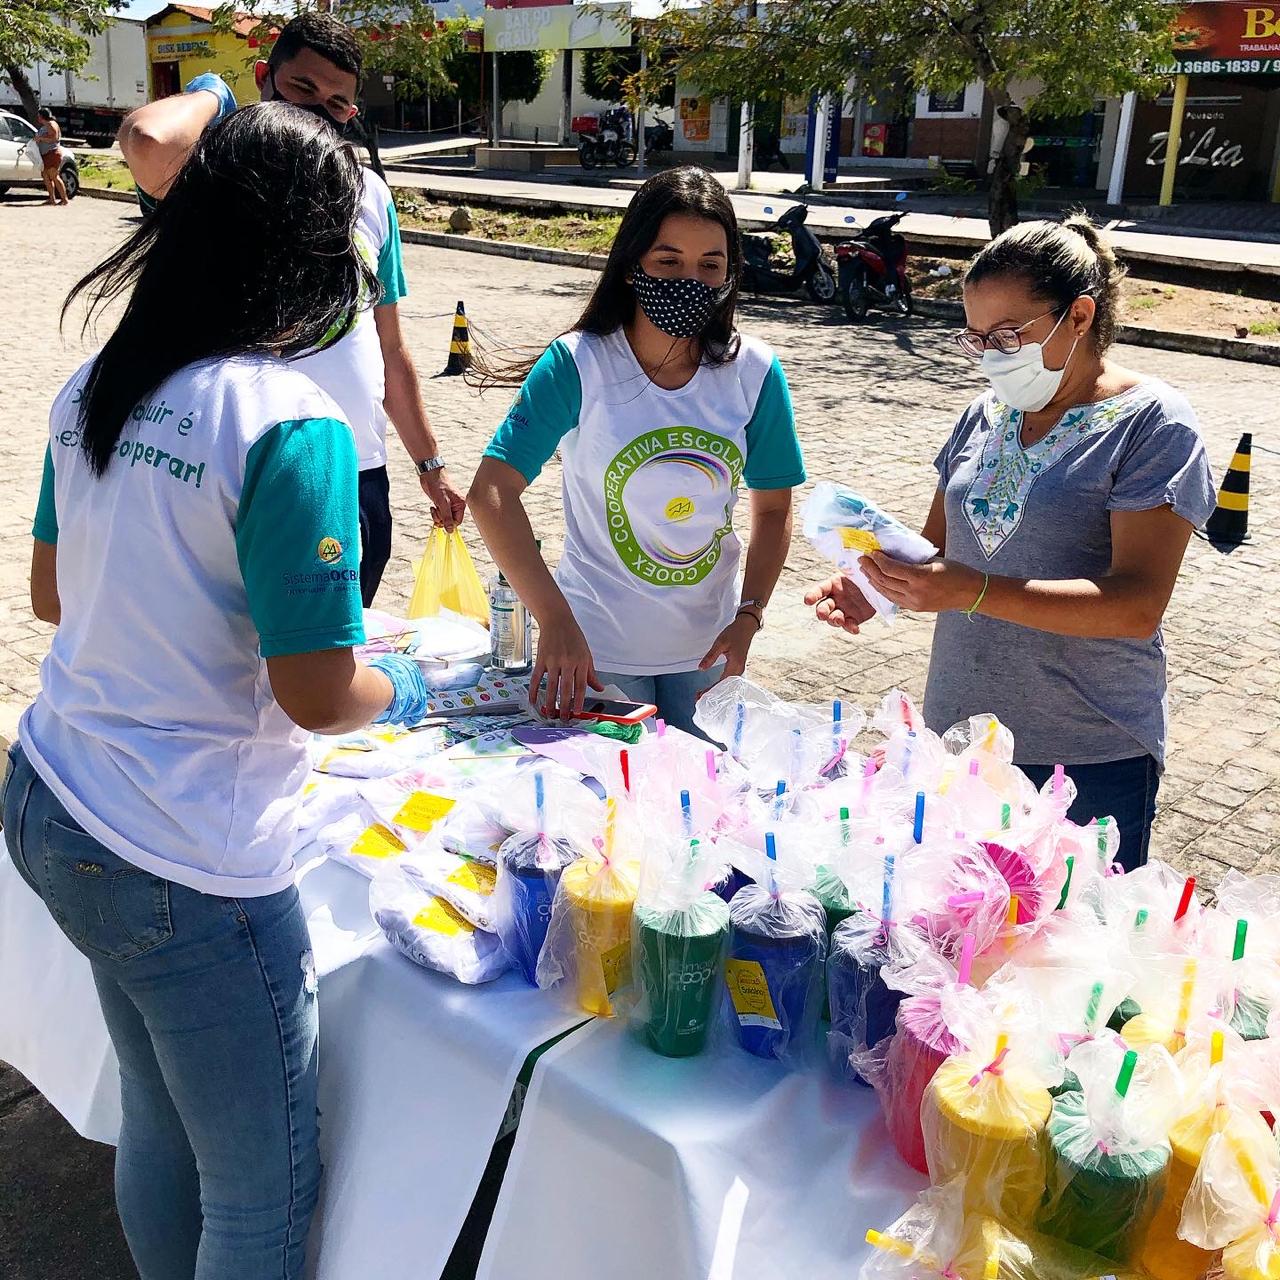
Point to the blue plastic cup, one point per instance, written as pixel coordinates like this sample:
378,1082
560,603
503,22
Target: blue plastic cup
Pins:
863,1010
532,878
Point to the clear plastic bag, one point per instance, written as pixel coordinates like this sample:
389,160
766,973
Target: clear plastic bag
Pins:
1108,1150
843,527
588,945
529,869
465,885
469,830
446,578
431,932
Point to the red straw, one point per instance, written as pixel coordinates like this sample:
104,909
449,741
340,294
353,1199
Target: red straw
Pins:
626,771
1185,901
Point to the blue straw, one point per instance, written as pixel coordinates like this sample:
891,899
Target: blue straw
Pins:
837,714
686,809
771,852
777,801
540,800
918,829
886,904
739,724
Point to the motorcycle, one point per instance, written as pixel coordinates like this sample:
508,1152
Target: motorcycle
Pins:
659,137
873,270
612,141
761,275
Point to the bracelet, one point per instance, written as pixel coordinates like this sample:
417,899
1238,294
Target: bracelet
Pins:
982,595
752,610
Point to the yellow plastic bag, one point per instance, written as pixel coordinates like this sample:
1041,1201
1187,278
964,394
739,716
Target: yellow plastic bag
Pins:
447,579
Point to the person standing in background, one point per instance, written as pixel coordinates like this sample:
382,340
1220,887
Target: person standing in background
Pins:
49,143
315,64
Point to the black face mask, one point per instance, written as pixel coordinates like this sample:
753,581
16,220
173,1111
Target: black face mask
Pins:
343,130
681,308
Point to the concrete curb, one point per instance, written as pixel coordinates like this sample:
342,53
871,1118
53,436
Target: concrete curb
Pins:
1195,344
99,193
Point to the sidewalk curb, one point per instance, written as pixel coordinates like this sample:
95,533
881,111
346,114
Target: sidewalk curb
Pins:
1194,344
100,193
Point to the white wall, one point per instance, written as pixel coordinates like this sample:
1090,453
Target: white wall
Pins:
718,129
1107,144
521,119
971,108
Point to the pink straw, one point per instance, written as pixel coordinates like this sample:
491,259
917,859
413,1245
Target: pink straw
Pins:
1059,776
964,899
974,768
711,766
967,949
662,728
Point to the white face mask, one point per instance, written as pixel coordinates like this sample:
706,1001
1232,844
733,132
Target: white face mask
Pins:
1020,380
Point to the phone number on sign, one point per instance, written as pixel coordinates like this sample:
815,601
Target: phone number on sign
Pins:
1232,66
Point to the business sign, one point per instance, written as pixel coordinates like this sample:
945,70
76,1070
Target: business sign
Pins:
695,118
557,26
181,49
1221,38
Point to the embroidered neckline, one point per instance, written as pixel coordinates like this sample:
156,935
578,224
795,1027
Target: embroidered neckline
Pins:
997,495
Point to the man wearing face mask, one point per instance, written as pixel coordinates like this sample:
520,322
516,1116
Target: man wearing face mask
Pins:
315,65
1066,498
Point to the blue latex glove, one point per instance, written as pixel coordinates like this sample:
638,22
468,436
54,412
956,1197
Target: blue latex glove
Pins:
409,692
217,86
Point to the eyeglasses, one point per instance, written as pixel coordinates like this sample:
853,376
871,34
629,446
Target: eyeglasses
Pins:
1007,341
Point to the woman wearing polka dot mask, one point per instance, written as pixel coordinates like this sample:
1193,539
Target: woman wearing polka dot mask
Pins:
660,410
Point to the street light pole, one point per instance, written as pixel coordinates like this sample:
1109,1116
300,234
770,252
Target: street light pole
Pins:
1174,143
497,106
1120,158
644,66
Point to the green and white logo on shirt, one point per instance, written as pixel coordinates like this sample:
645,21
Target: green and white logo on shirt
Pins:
668,498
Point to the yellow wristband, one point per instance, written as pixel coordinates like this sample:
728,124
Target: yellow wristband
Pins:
982,595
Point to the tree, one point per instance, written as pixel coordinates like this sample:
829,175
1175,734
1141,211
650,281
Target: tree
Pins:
52,31
606,74
521,74
1050,57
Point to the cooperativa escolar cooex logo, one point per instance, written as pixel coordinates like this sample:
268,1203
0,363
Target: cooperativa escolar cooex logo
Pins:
329,551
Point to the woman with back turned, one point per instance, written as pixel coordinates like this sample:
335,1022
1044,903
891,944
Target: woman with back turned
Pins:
1066,498
196,545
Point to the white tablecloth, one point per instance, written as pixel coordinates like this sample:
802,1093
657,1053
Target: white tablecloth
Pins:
415,1070
722,1166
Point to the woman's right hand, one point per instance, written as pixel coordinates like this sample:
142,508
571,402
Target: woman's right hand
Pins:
564,658
839,603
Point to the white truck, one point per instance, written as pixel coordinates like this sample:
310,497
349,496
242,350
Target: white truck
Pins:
90,103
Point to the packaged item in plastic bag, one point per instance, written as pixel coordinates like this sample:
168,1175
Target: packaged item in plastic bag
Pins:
1228,1083
447,578
953,890
777,945
1234,1203
937,1238
589,939
940,1004
1108,1148
469,831
465,885
679,933
844,527
983,1119
431,932
529,868
1176,993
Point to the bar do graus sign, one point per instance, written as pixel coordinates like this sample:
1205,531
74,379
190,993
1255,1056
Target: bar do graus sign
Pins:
560,26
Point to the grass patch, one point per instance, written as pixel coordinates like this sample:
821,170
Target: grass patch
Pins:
104,173
1264,328
1143,304
585,232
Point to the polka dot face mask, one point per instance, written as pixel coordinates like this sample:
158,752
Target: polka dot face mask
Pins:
680,308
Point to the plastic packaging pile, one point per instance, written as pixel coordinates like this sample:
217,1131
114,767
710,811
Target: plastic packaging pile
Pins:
1085,1063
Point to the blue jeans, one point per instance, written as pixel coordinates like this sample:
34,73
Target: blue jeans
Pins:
675,696
1124,789
210,1003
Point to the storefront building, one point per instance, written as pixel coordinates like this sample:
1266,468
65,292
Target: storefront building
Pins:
182,44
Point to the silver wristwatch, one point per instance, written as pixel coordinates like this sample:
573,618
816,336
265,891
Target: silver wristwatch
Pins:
428,465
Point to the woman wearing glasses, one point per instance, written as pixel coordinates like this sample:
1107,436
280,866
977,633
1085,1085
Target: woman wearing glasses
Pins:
1067,494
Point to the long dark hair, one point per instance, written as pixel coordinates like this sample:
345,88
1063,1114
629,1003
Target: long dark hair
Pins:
686,189
261,219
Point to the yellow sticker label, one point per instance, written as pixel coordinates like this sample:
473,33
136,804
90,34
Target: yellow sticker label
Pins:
616,966
378,841
309,788
341,753
859,540
680,509
421,811
478,877
749,991
440,917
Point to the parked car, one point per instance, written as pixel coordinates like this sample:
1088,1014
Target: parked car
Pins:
20,158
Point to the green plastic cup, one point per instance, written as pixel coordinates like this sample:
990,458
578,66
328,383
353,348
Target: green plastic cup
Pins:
680,956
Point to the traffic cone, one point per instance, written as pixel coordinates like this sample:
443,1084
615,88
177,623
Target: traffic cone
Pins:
1229,524
459,345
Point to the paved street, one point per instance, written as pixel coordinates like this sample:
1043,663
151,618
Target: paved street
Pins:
873,406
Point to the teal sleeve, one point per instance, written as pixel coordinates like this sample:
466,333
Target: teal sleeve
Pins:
774,460
45,528
298,538
544,412
391,261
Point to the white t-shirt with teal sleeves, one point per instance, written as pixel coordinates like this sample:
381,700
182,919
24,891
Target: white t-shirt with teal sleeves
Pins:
224,531
651,478
352,371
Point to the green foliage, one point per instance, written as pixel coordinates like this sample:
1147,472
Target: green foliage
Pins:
521,74
41,31
606,74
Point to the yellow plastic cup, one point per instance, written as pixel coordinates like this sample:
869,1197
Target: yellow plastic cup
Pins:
1166,1256
599,899
1145,1030
989,1134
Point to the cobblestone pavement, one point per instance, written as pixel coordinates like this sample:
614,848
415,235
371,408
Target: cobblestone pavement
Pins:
873,405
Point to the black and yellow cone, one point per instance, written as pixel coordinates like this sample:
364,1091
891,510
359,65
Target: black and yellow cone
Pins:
1229,524
459,345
